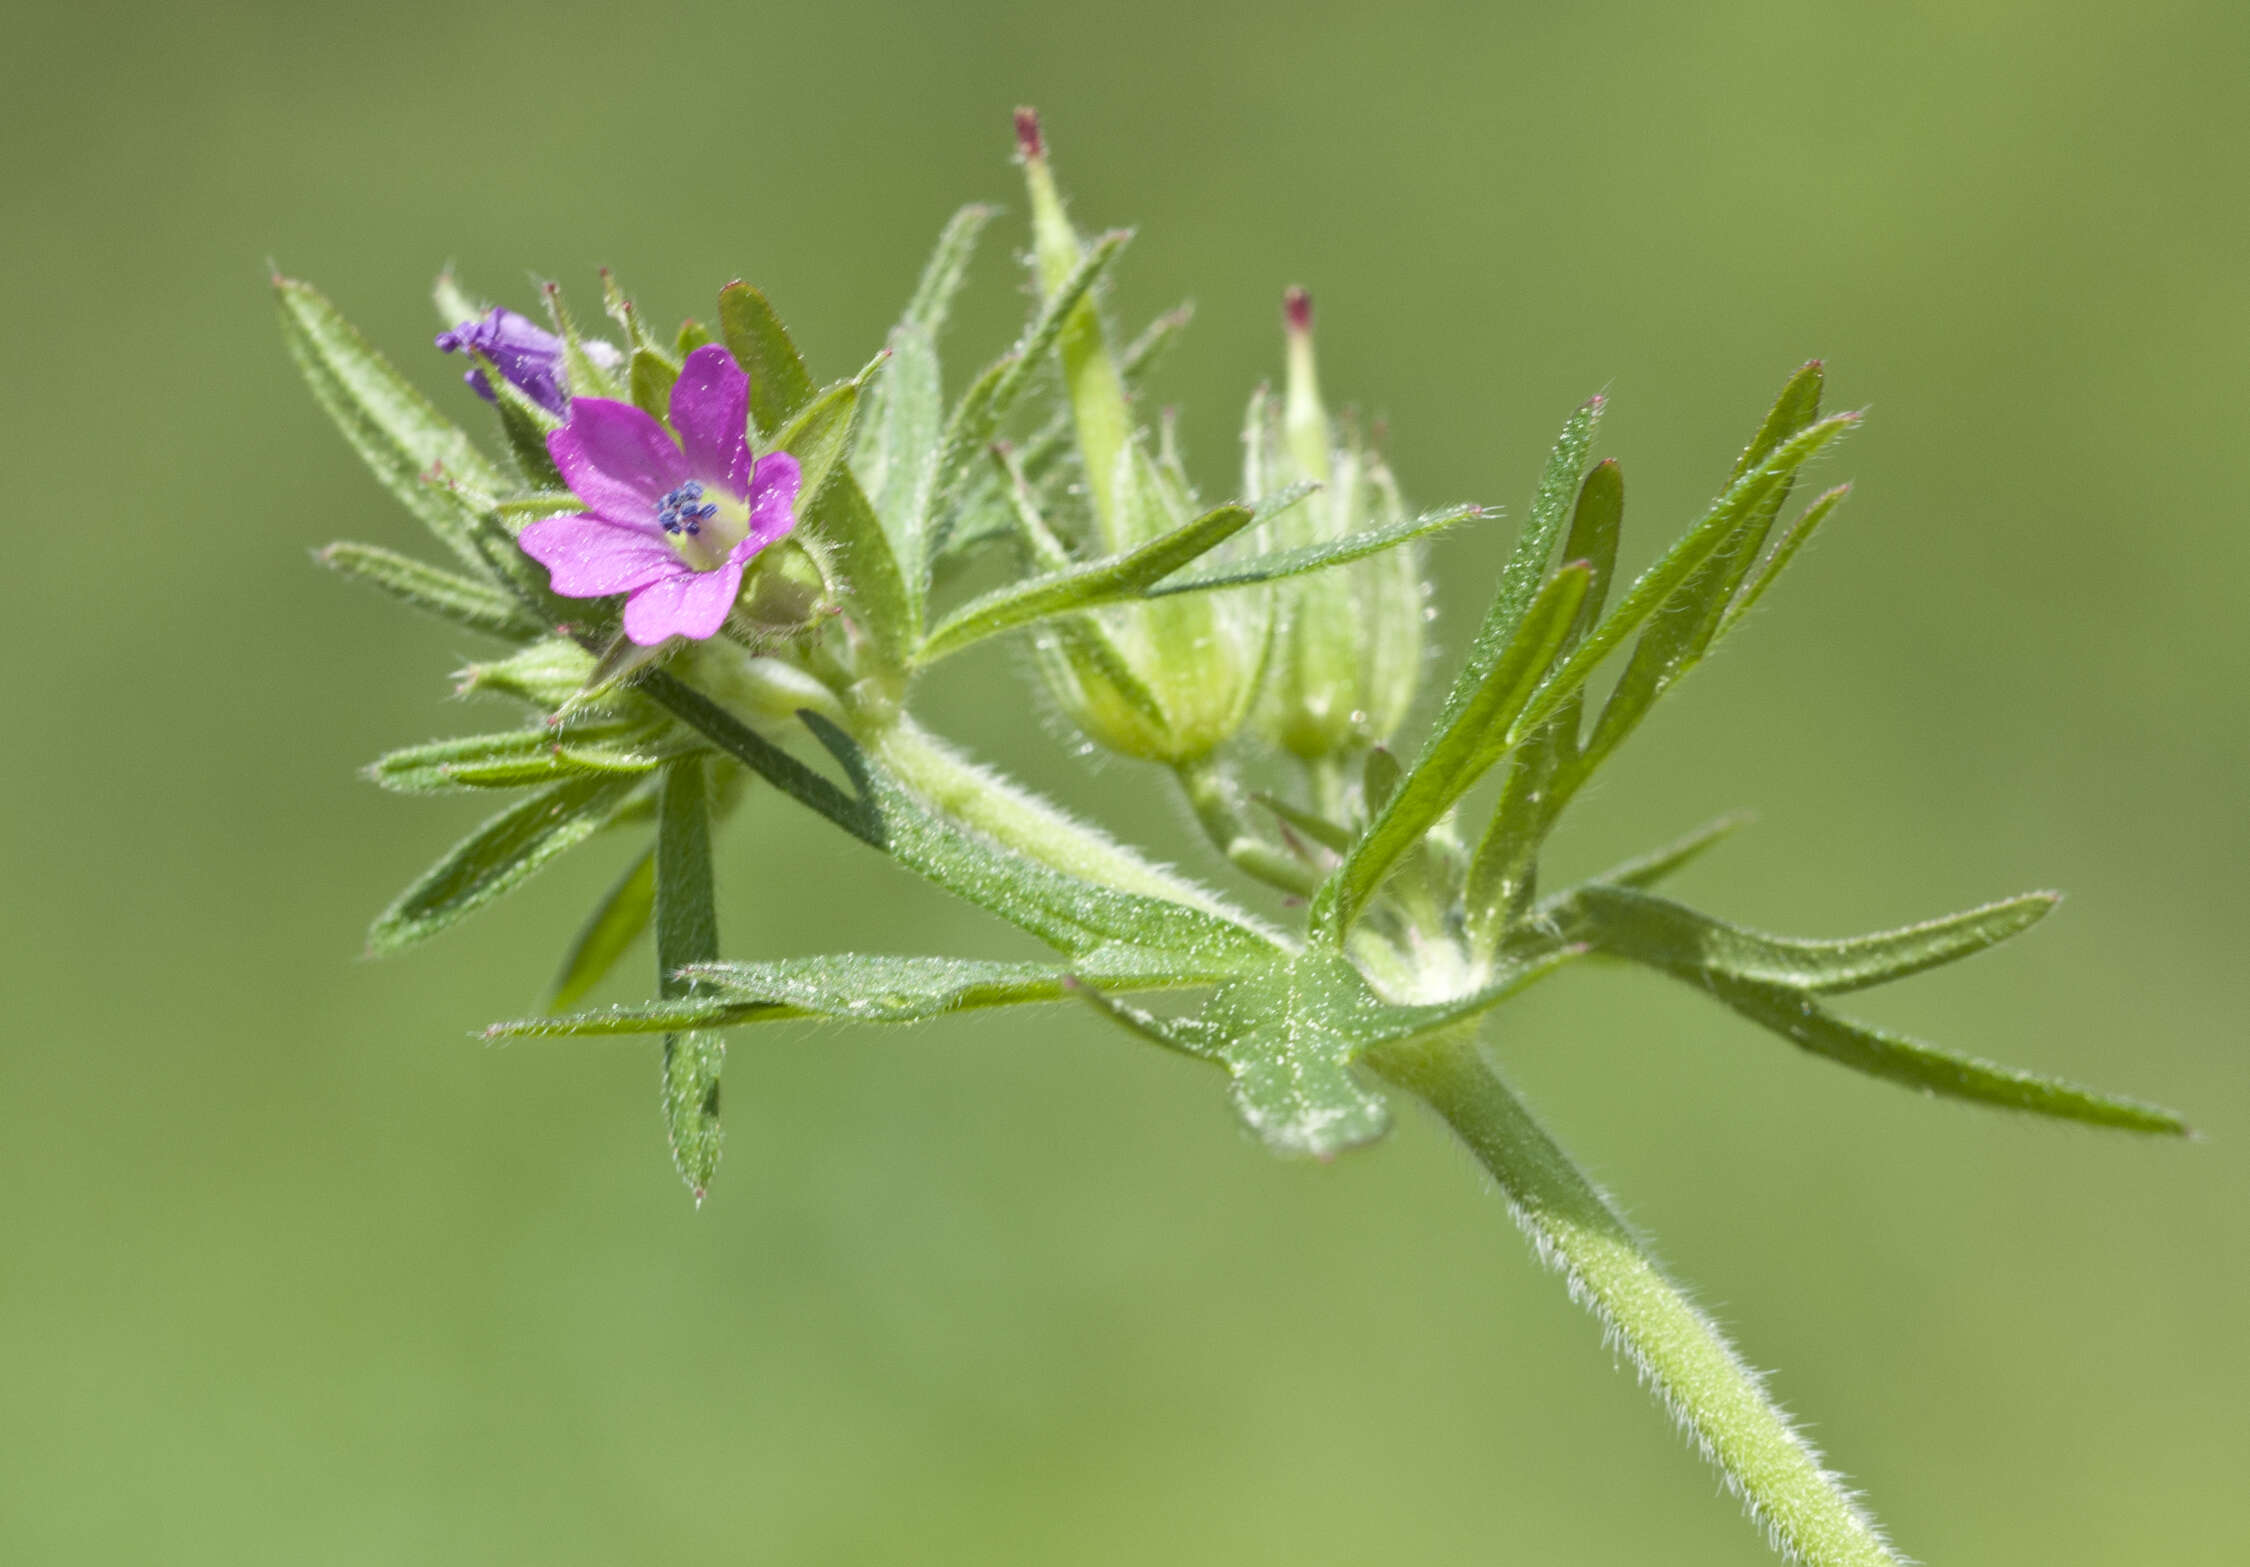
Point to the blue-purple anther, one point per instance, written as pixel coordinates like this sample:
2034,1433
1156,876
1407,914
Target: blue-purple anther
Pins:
520,349
678,513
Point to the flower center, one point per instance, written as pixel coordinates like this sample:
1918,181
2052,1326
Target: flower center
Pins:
703,531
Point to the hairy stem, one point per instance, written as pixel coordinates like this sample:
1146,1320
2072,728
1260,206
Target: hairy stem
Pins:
1681,1354
996,805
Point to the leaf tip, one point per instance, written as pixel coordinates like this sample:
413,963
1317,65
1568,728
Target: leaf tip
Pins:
1031,142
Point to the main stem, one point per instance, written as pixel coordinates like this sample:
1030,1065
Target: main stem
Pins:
1680,1352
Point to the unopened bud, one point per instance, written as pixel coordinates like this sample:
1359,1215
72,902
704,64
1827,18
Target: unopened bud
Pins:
1347,643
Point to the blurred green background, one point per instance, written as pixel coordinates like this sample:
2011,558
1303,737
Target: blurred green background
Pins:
293,1269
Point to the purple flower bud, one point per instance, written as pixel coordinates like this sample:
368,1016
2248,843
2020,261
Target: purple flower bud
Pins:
527,354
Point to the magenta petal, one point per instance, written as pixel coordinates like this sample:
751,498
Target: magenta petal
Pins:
617,460
773,499
711,410
692,604
589,558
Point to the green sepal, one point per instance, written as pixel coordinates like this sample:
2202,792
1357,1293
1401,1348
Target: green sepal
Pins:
393,427
431,589
588,377
621,309
693,334
609,932
780,384
651,376
524,425
687,931
500,856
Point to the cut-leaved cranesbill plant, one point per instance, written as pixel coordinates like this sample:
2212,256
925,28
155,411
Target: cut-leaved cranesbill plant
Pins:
704,570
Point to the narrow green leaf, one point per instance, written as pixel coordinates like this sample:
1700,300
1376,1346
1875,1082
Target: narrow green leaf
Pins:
1667,935
431,589
854,987
1895,1058
517,759
977,419
392,426
1277,564
1523,578
1783,553
1660,864
1797,406
1655,585
500,856
1595,523
609,932
1464,746
687,931
1108,581
948,267
780,384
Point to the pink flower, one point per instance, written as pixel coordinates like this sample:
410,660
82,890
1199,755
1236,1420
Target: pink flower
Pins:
670,522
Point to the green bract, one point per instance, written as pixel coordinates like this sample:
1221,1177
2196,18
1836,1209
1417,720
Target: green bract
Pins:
1163,623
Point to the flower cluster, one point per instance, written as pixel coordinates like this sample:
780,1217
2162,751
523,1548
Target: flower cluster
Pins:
761,567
